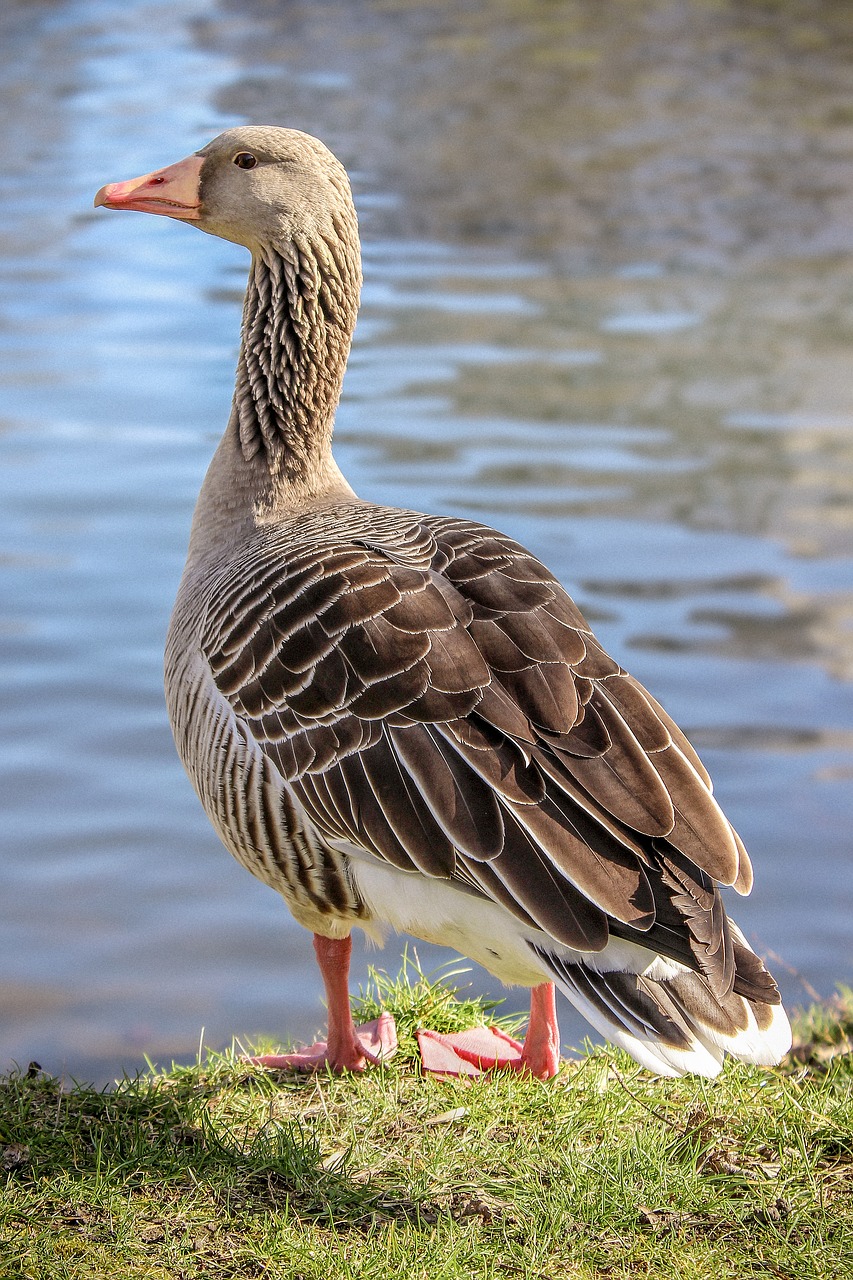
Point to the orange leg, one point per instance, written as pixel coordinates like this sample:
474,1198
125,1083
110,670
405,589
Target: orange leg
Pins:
482,1049
347,1048
541,1052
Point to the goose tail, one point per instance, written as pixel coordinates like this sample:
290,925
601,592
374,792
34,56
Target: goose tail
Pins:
677,1024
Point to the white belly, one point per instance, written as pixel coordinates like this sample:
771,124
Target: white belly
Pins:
440,912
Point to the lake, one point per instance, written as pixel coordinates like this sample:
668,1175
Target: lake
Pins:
608,307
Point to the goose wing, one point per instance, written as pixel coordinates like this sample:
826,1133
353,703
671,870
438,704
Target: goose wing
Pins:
434,697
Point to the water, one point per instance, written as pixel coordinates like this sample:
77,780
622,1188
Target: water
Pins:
609,306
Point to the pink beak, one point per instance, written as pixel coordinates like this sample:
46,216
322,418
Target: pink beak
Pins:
173,192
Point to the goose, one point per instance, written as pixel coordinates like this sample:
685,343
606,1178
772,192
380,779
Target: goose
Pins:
402,721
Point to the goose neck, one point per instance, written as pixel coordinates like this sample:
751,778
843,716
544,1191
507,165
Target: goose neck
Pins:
298,319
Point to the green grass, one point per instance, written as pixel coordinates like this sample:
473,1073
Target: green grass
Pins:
222,1170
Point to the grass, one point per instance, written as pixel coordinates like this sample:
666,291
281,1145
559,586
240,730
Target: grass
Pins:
222,1170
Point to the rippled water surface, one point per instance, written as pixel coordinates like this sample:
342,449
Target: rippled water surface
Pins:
608,307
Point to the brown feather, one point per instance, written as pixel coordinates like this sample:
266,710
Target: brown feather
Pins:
587,737
724,1014
499,651
424,610
377,650
695,906
463,804
328,690
679,739
455,663
543,893
496,593
625,999
497,708
361,602
404,810
372,829
382,698
701,830
743,883
626,784
607,873
434,706
630,699
596,664
547,694
496,759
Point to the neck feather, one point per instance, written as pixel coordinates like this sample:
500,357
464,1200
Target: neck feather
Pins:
298,320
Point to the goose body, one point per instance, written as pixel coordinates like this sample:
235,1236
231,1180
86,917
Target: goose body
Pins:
399,720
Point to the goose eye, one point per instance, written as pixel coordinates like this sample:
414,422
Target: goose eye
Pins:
245,160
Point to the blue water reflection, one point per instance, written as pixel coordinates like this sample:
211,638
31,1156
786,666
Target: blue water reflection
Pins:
638,369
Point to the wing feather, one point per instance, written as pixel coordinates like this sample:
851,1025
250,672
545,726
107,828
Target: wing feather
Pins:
551,899
406,811
464,805
606,873
433,697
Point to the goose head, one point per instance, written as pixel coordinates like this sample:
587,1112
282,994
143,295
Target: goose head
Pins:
256,185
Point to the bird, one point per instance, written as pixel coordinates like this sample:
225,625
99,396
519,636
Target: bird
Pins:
402,721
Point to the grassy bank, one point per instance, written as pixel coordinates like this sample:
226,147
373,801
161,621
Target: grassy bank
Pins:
222,1170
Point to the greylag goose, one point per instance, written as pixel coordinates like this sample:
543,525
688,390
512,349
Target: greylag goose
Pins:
397,719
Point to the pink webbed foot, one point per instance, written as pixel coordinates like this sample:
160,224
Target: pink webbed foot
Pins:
470,1053
373,1042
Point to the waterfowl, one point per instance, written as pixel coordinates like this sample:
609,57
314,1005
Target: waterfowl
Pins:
398,719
